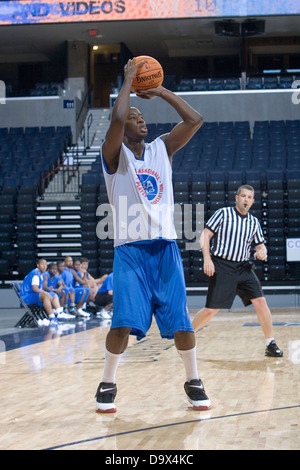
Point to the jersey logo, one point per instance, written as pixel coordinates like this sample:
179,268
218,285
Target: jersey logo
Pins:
150,185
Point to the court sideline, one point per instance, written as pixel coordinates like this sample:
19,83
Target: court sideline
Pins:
48,388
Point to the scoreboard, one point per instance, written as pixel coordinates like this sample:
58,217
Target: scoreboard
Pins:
65,11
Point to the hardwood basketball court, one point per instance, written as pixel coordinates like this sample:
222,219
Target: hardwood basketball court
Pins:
48,386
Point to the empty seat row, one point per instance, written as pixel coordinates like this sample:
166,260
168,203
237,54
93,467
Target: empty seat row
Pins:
25,165
270,82
231,83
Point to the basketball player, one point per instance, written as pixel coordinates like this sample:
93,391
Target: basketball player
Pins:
233,230
148,271
32,292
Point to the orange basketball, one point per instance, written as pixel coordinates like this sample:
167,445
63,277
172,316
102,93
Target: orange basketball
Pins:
150,75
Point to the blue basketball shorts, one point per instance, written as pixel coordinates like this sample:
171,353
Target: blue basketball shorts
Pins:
149,281
79,292
67,290
33,298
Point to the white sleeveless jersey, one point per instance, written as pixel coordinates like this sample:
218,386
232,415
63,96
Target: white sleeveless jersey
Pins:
141,195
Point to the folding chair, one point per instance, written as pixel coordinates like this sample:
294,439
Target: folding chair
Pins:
33,313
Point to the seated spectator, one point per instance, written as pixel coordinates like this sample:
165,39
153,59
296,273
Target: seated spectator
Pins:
104,298
76,268
32,292
69,293
88,280
71,280
53,283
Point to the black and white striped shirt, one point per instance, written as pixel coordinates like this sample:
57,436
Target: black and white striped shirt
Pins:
234,234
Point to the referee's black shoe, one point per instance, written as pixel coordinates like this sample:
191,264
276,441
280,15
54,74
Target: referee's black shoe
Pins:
272,350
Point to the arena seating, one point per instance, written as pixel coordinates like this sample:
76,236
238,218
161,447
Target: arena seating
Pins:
99,252
219,158
46,89
26,155
263,82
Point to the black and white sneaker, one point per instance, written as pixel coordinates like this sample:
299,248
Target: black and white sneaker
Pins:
105,395
272,350
196,395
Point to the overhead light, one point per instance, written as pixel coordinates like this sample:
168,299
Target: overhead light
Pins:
272,71
95,48
293,70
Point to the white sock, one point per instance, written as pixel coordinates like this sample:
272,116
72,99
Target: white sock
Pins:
190,363
110,367
59,309
268,341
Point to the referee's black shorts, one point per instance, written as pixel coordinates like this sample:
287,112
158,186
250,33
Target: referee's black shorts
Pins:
103,298
232,278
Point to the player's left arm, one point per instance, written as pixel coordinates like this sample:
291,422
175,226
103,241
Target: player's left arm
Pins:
184,130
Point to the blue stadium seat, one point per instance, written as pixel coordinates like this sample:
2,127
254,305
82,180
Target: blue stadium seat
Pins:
285,82
181,176
242,163
170,82
255,178
32,131
216,84
217,196
277,124
292,124
3,131
254,83
275,178
235,178
217,180
226,125
199,175
270,83
201,84
277,273
185,84
292,175
261,125
16,131
232,84
4,267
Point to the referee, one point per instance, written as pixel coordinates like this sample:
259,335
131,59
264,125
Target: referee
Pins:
232,231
